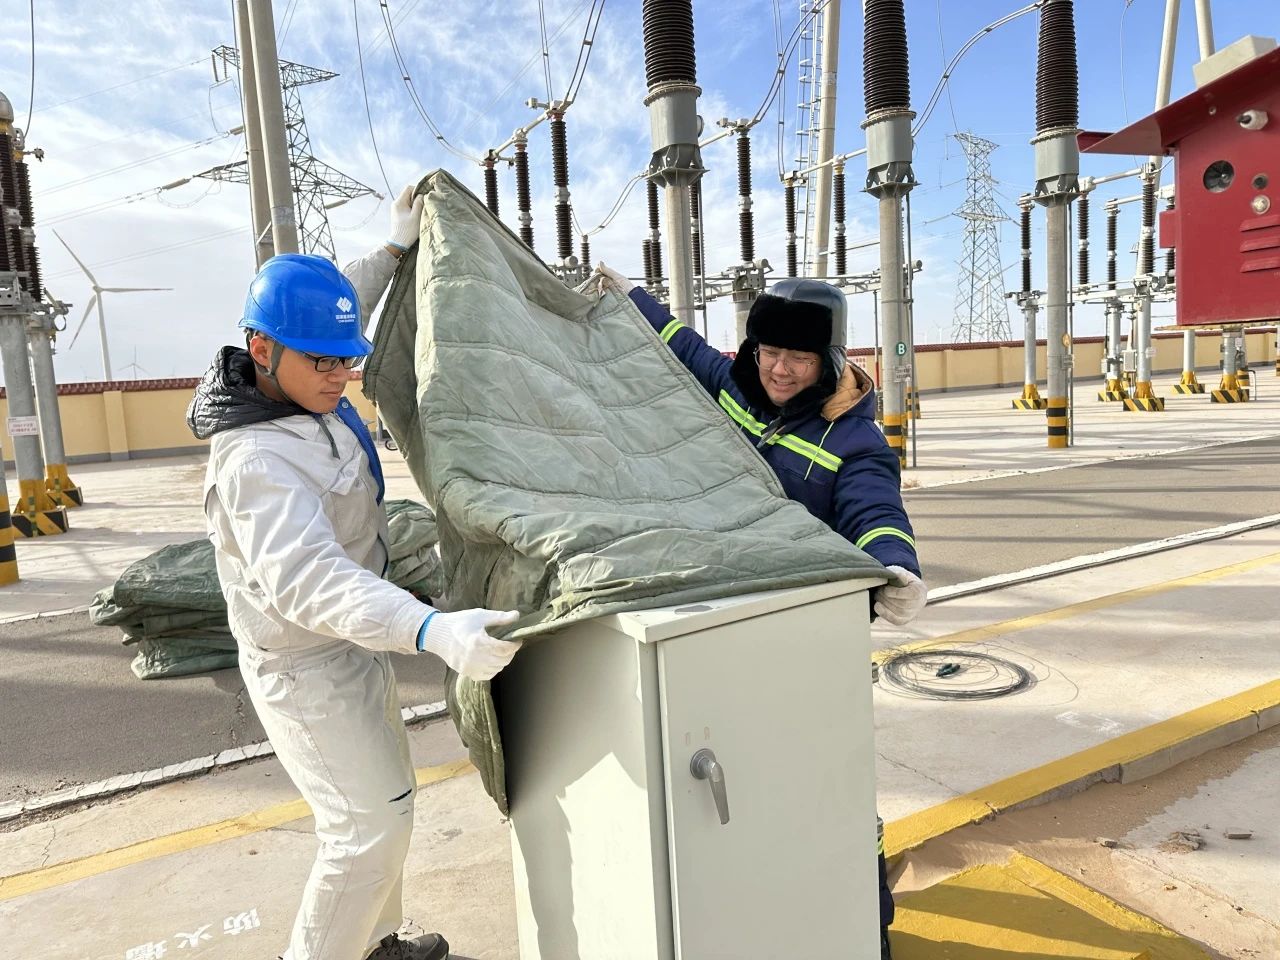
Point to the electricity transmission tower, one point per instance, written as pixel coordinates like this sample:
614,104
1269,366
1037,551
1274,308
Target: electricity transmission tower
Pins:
981,313
313,179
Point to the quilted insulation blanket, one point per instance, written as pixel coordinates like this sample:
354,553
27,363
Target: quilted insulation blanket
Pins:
575,467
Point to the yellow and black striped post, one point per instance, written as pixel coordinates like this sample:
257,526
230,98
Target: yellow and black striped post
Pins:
1242,379
1056,418
895,433
37,514
1114,392
1144,399
913,404
1030,399
1188,384
58,484
1229,391
8,554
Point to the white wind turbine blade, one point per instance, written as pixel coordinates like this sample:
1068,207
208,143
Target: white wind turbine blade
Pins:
87,273
132,289
87,311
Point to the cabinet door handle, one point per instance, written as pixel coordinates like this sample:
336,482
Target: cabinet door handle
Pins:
705,766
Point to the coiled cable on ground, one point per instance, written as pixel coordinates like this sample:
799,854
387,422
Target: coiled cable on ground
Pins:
950,674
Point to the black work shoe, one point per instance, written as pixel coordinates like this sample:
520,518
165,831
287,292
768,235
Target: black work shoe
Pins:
885,954
429,946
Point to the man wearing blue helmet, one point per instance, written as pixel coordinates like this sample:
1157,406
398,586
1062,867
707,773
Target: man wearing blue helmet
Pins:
293,497
811,415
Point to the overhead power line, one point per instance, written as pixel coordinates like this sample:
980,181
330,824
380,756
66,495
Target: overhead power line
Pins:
165,248
104,205
774,87
126,83
98,175
546,53
364,90
286,22
584,50
959,55
413,90
564,25
31,94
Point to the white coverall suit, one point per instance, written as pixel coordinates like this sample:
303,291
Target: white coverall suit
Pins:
301,546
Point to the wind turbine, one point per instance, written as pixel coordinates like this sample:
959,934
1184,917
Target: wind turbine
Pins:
135,366
98,291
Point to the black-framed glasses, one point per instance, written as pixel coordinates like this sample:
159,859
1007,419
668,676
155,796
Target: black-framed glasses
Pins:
329,364
768,358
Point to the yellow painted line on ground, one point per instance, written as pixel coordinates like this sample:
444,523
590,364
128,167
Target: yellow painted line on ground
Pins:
33,881
1027,909
915,829
996,630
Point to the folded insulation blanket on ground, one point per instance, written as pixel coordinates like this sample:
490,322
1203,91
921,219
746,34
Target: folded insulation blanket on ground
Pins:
171,606
575,467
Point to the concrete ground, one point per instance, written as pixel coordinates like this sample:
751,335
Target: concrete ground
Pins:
1112,650
977,434
1115,652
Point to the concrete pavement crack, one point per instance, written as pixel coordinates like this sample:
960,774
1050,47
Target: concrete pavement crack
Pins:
53,835
918,773
242,718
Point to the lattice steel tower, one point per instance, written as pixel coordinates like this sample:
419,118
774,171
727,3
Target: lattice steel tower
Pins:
982,313
313,179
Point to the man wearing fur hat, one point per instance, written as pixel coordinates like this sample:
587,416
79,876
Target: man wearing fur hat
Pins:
811,415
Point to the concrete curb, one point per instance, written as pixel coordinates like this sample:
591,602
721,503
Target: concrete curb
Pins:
175,771
45,614
1125,759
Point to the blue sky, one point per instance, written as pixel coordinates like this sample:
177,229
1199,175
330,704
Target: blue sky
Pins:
125,102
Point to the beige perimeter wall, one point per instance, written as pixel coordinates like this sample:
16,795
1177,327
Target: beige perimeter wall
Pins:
147,418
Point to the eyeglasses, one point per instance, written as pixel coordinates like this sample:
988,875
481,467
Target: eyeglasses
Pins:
329,364
768,357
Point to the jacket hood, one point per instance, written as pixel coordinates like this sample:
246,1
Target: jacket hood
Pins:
855,392
228,397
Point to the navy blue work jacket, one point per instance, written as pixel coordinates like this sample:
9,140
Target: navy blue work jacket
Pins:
835,461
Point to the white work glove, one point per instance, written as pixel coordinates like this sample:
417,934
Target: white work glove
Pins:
612,279
406,211
901,604
462,641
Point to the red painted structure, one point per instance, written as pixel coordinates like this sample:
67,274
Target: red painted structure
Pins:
1225,227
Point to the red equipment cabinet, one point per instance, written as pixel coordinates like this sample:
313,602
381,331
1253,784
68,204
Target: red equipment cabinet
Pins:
1225,227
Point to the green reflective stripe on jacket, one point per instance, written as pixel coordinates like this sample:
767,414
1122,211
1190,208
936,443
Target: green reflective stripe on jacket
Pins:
809,451
744,419
870,535
669,330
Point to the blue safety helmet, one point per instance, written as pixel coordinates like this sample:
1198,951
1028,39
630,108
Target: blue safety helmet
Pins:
304,302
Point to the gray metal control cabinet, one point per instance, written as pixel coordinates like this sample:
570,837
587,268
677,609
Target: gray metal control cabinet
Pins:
697,782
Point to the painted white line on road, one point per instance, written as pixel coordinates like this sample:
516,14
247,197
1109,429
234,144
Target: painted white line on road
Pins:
1087,561
1141,455
175,771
